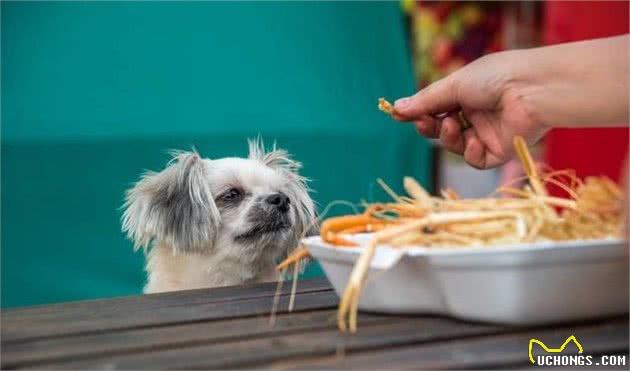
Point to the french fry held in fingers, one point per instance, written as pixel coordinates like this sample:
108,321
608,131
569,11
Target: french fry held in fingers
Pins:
385,106
592,209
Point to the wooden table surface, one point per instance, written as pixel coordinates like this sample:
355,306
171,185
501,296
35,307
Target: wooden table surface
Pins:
229,328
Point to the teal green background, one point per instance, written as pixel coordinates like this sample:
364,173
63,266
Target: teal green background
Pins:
93,93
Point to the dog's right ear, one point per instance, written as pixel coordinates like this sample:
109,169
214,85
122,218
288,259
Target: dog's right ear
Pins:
174,206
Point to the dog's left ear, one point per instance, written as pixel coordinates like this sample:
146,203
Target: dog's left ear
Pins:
280,160
174,206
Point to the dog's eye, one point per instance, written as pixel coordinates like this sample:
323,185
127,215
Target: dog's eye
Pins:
232,194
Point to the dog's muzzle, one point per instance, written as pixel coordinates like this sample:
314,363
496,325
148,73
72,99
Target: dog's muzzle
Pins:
271,216
278,201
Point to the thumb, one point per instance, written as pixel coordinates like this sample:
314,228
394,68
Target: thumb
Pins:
439,97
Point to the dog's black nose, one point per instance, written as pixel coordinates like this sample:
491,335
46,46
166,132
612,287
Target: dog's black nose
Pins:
279,200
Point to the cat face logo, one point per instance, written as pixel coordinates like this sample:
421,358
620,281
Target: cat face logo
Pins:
553,350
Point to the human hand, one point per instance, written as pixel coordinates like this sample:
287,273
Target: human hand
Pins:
490,101
523,92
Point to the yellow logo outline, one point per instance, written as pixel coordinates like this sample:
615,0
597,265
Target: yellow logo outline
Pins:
553,350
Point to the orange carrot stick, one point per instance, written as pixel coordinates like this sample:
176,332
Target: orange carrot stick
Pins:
299,254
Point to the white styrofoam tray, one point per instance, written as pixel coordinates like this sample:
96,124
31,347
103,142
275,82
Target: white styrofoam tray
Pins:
518,284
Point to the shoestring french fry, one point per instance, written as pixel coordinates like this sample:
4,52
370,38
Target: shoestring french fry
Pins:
385,106
592,209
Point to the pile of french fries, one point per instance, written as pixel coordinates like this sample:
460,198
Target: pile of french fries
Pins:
592,209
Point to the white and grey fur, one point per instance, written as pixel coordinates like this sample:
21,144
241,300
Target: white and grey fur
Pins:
218,222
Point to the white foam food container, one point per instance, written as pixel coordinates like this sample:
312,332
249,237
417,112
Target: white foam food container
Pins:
529,284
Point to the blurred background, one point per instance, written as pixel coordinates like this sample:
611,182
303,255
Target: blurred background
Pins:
93,93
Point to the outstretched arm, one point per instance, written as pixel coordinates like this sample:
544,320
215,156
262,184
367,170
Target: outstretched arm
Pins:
523,92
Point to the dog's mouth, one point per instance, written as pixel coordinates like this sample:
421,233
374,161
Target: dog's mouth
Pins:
276,225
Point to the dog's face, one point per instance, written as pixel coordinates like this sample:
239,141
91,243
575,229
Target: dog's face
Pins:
258,205
245,208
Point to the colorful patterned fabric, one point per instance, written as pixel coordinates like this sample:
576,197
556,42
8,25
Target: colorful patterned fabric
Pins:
448,35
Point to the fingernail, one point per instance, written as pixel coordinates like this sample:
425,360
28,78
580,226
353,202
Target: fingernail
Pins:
402,103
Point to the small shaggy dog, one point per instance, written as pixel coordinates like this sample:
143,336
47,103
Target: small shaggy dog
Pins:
218,222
